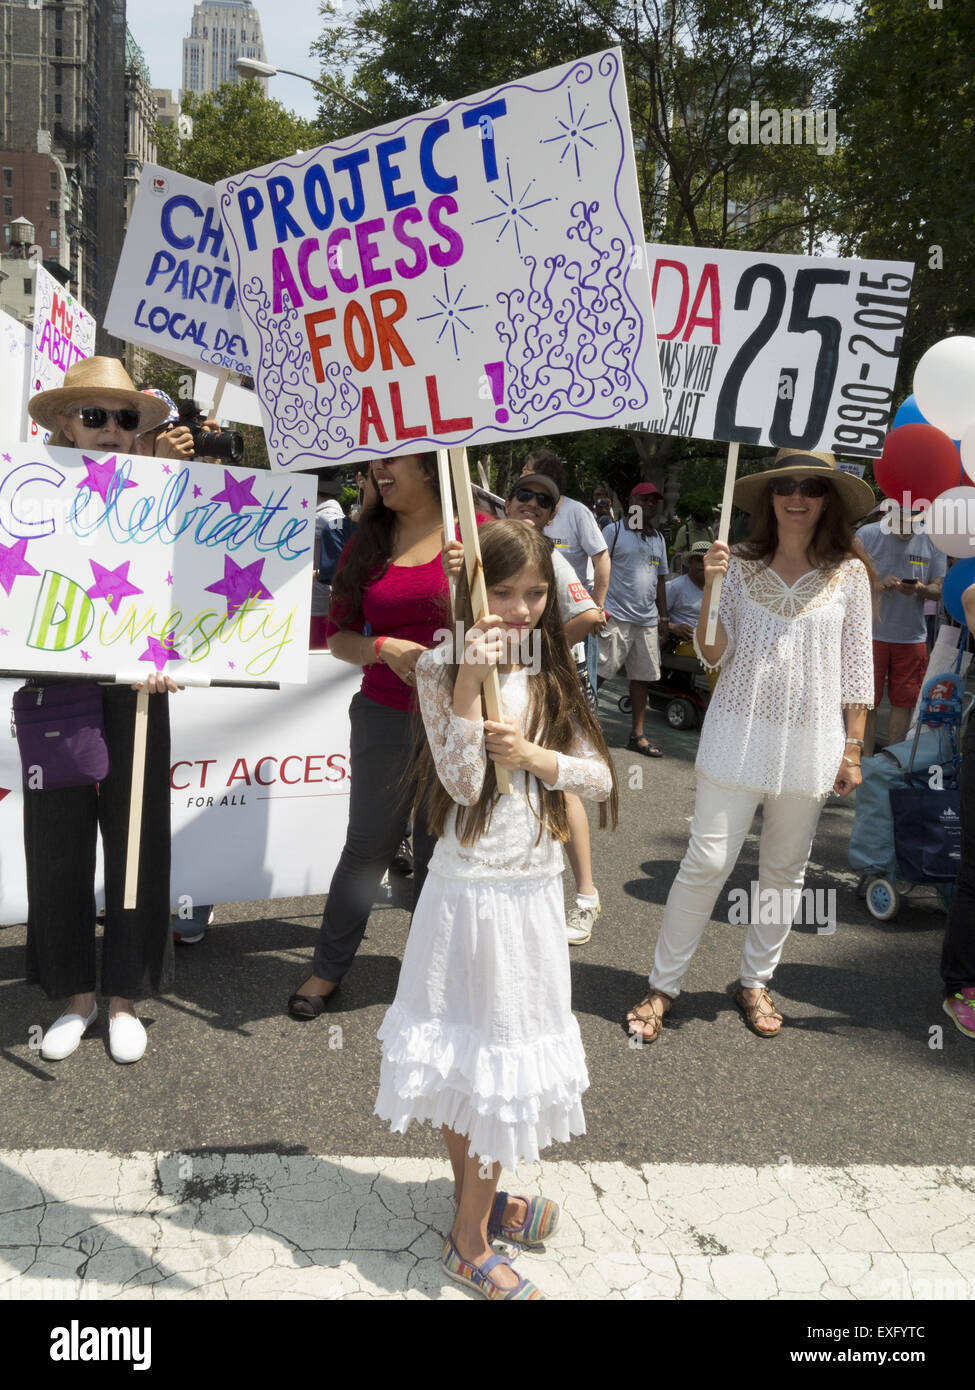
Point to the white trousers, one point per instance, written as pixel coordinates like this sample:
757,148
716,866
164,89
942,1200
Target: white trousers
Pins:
722,818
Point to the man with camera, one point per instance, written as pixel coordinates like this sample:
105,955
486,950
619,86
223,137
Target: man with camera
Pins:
187,434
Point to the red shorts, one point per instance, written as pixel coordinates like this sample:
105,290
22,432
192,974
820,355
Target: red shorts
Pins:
902,666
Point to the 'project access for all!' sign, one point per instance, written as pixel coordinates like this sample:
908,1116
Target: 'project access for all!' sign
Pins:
470,274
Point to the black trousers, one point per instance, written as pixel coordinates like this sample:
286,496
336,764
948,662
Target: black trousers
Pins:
60,837
958,952
379,811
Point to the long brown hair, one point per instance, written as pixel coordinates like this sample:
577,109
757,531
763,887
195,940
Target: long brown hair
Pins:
833,541
371,547
557,708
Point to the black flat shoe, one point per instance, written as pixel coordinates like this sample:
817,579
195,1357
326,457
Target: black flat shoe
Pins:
305,1007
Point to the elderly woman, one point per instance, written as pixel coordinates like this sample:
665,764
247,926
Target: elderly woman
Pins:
99,409
785,723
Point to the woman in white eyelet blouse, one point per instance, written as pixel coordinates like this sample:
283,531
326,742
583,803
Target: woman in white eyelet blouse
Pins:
785,723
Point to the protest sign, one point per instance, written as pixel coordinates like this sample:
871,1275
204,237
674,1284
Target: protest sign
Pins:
473,273
174,292
260,792
64,333
237,404
789,351
15,344
112,565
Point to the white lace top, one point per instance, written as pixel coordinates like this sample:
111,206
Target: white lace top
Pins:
508,845
796,657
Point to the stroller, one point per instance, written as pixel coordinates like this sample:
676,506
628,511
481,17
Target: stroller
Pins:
907,826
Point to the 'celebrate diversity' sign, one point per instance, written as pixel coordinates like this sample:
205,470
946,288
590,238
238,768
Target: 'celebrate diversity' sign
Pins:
469,274
121,566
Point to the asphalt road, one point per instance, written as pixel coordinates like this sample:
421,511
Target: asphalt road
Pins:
856,1076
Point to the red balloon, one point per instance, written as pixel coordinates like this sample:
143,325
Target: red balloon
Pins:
919,462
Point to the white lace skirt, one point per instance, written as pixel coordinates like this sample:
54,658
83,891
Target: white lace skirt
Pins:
481,1035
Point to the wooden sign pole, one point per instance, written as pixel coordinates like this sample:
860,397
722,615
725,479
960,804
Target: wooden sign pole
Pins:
464,498
447,509
135,799
223,376
723,529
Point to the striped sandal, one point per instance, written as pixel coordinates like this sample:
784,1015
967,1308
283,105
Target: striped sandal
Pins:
477,1277
540,1221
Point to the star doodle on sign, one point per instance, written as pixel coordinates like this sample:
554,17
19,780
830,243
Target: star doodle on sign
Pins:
166,468
574,134
160,652
304,502
513,210
451,310
197,491
111,584
7,458
100,475
13,561
169,577
85,656
232,665
239,583
237,494
4,631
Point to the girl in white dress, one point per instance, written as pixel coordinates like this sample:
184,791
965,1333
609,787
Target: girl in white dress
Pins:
481,1038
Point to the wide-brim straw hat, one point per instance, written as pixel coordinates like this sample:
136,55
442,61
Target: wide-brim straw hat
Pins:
856,495
96,376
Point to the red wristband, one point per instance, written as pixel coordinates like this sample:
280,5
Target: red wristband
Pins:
377,644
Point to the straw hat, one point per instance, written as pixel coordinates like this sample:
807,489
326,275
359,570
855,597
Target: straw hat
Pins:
96,376
855,494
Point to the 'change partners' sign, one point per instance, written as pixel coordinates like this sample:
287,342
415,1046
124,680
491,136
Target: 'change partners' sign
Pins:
469,274
174,292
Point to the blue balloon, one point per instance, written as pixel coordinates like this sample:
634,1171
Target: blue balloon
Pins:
960,577
908,414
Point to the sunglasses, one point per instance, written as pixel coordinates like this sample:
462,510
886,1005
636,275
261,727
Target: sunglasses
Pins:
808,487
527,494
94,417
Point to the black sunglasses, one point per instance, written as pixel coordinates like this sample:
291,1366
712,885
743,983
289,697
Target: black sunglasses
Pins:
807,487
527,494
94,417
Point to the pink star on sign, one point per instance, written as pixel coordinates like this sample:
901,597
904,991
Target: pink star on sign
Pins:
111,584
13,562
160,652
231,665
7,458
304,501
169,577
237,494
85,656
100,476
239,583
166,468
197,491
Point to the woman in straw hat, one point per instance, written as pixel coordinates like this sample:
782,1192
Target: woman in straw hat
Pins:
785,723
99,409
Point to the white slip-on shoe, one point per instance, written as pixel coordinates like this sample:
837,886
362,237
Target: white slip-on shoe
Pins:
126,1038
64,1035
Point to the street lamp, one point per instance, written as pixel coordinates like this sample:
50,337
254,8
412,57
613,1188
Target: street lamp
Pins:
252,67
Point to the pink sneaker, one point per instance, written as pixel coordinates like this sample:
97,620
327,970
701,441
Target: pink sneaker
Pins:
960,1008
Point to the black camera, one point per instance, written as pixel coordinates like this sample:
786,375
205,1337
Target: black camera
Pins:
218,444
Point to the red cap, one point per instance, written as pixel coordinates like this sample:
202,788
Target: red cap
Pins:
645,490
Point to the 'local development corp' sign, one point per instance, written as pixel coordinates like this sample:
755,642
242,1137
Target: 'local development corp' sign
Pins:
470,274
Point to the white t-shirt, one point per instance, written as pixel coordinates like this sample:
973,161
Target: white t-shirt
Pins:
327,512
574,598
577,536
684,600
638,561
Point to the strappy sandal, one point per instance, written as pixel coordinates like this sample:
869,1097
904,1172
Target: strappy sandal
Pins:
639,743
762,1008
655,1021
305,1007
540,1220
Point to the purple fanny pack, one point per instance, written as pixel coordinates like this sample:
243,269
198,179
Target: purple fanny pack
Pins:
61,735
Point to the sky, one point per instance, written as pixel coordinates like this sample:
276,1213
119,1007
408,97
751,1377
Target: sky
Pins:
289,28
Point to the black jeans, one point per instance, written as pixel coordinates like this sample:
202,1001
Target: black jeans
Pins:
379,812
60,838
958,952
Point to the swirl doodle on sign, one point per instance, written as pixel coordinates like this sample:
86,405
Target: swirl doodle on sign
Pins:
568,334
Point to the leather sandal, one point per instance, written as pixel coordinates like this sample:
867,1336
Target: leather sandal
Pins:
305,1007
639,743
655,1021
762,1008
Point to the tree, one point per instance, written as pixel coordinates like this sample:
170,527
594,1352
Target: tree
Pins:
236,128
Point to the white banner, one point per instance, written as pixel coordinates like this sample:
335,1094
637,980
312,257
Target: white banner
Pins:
121,565
15,363
473,273
64,333
788,351
260,792
174,292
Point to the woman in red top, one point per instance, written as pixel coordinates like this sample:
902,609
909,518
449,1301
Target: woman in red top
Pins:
390,577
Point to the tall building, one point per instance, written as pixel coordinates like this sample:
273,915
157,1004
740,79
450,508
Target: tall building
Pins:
221,32
62,94
140,120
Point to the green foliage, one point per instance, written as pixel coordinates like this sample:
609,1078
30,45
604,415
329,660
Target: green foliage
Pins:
236,128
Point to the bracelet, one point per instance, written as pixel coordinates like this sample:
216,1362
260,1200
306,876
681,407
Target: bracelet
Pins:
857,742
851,762
377,644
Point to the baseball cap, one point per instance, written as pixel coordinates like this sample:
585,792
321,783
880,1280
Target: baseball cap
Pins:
537,480
645,490
700,548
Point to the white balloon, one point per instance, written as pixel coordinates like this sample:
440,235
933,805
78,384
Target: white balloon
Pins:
944,385
968,450
950,521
